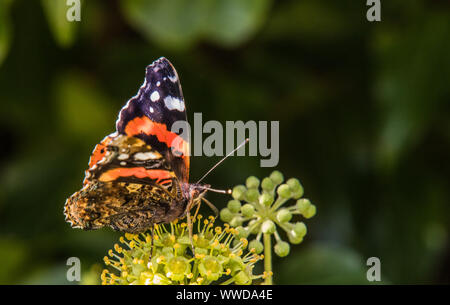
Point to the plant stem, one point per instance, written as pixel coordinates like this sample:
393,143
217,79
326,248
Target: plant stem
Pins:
267,259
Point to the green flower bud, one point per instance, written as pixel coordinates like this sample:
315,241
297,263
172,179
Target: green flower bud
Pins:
248,210
310,212
267,184
252,182
268,227
236,221
234,206
284,215
257,245
284,191
282,248
252,195
242,232
296,188
276,177
266,199
294,239
255,230
239,192
241,278
299,229
303,205
226,215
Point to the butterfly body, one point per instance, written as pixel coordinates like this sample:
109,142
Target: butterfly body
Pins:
138,176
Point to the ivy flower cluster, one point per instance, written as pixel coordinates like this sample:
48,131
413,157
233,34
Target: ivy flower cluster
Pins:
255,210
220,257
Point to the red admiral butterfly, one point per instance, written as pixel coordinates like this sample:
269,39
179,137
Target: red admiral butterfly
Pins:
138,176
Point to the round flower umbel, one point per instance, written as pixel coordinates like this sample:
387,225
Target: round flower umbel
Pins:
220,257
255,210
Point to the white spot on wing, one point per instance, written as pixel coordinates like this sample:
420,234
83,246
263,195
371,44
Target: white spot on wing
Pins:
173,79
173,103
123,156
158,84
146,156
154,96
152,110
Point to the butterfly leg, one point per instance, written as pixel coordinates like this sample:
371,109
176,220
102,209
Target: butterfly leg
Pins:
189,223
198,208
152,230
212,206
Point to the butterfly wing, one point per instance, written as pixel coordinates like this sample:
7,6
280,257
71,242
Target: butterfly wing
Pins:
134,174
129,186
129,159
128,207
152,113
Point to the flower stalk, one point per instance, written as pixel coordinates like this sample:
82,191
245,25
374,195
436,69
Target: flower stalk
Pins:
268,259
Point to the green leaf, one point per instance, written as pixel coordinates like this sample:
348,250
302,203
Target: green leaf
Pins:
5,28
178,24
232,22
172,23
62,29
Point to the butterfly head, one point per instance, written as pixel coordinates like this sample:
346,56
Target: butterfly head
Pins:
194,191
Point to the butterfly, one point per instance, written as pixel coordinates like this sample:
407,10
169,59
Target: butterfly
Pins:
138,176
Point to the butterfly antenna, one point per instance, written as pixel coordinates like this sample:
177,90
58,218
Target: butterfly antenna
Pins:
223,159
218,191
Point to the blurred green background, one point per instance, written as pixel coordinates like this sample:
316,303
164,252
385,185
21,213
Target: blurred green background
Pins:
363,110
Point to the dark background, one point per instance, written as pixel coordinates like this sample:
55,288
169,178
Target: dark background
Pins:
363,110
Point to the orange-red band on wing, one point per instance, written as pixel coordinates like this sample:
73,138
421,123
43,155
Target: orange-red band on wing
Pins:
138,172
99,151
176,143
145,125
98,154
